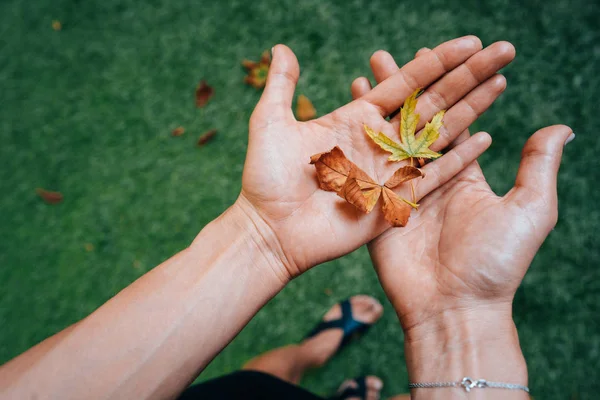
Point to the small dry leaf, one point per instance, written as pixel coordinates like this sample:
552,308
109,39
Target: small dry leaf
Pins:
332,169
206,136
48,196
180,130
328,291
257,71
88,247
338,174
56,25
362,192
203,93
304,109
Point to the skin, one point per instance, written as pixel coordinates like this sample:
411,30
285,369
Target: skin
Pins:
463,258
153,338
290,362
279,188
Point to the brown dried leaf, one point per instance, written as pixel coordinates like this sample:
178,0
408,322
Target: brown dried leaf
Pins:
206,136
258,71
48,196
360,190
56,25
332,169
180,130
88,247
304,109
338,174
395,209
402,175
203,93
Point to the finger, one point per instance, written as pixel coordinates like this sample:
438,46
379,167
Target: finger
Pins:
422,51
383,65
466,111
445,168
281,82
421,72
460,81
459,139
360,86
388,67
540,161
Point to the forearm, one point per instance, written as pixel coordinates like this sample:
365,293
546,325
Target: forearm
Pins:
154,337
480,344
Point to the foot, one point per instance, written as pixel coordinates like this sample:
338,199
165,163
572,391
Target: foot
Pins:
321,347
373,384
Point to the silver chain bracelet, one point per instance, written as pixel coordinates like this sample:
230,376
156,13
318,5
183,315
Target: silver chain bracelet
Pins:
468,384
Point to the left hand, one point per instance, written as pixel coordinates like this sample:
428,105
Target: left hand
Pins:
468,249
303,225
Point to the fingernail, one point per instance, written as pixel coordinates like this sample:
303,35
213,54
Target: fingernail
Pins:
468,41
378,385
272,50
570,139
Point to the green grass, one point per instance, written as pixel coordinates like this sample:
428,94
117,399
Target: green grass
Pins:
89,110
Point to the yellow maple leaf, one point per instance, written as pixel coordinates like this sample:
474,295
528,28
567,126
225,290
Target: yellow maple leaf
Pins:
410,146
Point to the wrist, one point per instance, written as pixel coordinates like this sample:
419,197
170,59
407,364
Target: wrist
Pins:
480,343
242,227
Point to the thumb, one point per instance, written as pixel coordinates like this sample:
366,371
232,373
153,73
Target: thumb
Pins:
540,161
276,100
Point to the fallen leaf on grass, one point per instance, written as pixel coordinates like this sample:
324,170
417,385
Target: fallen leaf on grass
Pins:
89,247
328,291
49,196
180,130
410,146
203,93
257,71
338,174
206,136
304,109
56,25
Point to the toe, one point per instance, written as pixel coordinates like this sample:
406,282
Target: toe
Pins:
366,308
374,383
374,386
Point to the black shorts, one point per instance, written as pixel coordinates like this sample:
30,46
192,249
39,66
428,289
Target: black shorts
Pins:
247,385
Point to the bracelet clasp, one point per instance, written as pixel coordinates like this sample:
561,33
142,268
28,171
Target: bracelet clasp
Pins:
469,383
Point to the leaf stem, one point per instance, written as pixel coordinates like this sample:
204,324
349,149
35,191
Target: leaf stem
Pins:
412,186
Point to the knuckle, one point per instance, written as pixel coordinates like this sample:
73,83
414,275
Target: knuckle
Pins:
437,99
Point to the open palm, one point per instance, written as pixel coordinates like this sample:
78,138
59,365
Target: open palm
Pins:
279,186
468,247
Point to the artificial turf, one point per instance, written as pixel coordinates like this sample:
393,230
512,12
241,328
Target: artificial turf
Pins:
88,110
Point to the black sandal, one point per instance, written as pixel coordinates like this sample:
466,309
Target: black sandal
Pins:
352,328
359,391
